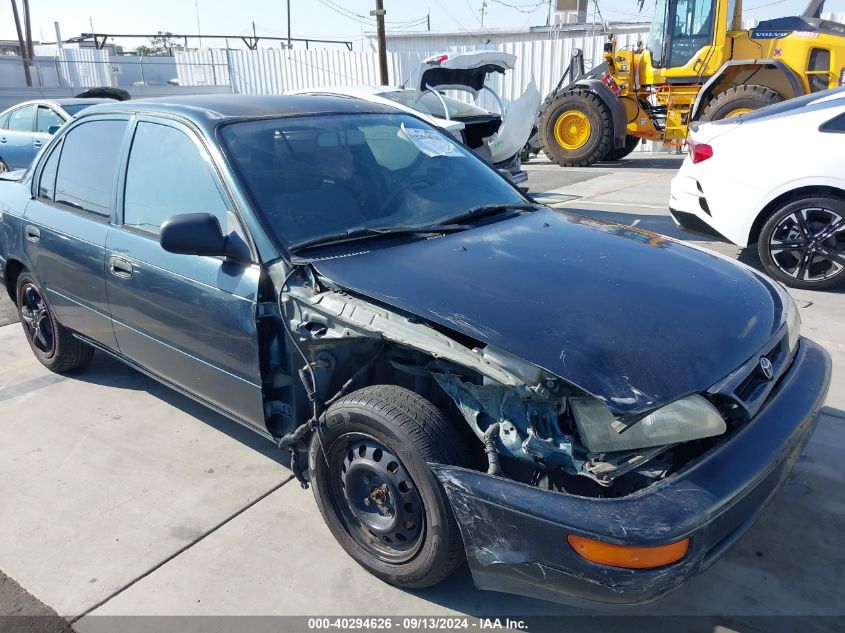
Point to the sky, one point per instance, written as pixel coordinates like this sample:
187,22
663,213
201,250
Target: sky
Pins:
328,19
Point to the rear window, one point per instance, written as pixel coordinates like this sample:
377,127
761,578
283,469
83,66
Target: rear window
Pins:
76,108
88,165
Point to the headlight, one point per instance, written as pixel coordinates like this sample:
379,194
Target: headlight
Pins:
793,320
689,418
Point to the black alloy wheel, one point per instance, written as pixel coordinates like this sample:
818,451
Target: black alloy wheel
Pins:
35,316
803,245
55,346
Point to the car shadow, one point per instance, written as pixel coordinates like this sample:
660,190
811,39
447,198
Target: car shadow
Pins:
107,371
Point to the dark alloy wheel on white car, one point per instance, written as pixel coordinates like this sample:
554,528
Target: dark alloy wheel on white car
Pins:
803,243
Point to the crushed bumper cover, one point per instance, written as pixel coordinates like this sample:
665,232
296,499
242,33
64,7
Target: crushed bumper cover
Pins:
515,534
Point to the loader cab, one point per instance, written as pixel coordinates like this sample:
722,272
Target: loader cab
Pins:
682,32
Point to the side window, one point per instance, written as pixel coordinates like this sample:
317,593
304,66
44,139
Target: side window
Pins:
21,119
4,120
88,166
46,118
836,124
47,182
166,176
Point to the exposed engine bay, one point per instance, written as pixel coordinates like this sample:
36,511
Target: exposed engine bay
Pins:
528,425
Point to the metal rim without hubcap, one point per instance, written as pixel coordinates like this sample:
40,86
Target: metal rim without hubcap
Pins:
37,320
809,244
738,112
376,498
572,129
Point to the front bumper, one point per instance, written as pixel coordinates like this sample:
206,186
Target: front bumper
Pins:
515,534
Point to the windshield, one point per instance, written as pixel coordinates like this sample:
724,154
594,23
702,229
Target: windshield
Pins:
679,30
312,176
429,104
75,108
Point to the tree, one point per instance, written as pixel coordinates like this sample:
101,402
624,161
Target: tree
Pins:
162,42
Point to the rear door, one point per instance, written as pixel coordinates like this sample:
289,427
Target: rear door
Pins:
16,140
189,319
66,223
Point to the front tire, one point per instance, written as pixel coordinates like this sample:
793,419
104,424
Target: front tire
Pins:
53,344
375,490
619,153
739,100
576,129
802,244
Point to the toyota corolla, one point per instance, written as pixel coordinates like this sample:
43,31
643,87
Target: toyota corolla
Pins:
577,408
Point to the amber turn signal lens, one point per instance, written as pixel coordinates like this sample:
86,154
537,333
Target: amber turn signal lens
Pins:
627,555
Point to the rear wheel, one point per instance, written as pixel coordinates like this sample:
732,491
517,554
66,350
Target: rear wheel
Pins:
739,100
803,243
619,153
375,490
53,344
576,129
3,166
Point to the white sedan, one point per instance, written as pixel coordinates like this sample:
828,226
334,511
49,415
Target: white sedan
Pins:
774,177
498,137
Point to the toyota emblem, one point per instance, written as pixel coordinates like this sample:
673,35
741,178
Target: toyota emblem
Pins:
766,368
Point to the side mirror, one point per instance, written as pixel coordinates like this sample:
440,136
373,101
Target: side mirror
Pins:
53,129
200,234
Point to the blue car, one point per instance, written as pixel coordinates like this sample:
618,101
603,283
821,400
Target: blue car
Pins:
27,127
577,409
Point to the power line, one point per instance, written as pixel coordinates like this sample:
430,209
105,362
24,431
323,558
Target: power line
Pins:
522,8
763,6
368,21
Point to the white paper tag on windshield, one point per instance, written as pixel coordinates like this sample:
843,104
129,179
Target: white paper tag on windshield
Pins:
430,142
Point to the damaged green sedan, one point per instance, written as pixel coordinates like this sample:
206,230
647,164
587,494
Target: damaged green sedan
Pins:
578,409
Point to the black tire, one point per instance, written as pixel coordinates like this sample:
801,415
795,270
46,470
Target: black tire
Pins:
3,166
619,153
600,139
410,432
739,98
815,227
53,344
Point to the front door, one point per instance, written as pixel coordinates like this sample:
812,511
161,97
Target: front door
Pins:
67,222
189,319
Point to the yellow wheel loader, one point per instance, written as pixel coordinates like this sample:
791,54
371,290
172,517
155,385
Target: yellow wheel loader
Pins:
697,64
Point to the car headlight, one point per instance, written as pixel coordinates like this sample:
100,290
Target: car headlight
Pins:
793,320
689,418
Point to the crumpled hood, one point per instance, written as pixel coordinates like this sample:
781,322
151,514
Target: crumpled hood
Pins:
635,319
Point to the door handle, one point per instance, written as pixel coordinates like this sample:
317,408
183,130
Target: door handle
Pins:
32,233
2,139
37,144
120,267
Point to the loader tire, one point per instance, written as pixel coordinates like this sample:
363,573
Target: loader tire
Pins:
739,100
619,153
576,129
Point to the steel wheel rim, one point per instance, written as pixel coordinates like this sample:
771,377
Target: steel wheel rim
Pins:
738,112
375,498
36,319
572,129
809,244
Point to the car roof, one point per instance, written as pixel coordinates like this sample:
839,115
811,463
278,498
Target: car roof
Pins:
207,111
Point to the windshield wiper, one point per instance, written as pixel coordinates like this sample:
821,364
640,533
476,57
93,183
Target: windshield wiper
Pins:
363,232
483,210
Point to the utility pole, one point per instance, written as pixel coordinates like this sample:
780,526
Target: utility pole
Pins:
199,31
27,19
428,21
483,11
24,56
289,44
382,44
